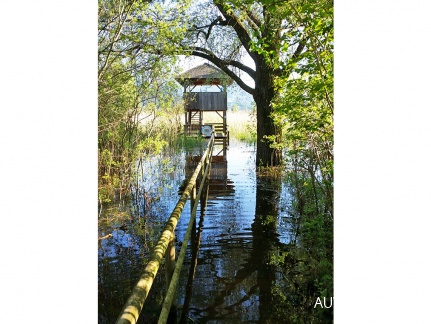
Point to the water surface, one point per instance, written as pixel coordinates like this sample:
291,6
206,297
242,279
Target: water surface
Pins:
233,270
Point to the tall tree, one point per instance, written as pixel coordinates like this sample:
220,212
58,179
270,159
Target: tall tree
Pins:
223,32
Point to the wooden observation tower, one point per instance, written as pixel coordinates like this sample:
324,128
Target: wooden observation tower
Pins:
205,77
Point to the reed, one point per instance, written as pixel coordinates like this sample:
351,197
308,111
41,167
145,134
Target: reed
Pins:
241,124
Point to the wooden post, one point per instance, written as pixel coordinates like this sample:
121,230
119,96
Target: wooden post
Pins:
170,260
203,170
224,122
224,134
189,121
193,197
205,182
185,121
170,267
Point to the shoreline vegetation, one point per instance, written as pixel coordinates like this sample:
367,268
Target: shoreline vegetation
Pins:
159,130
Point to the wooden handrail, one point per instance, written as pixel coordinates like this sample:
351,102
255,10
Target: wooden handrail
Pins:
135,302
176,275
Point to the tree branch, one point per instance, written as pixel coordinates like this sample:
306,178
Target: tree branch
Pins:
299,49
235,23
239,65
254,19
223,66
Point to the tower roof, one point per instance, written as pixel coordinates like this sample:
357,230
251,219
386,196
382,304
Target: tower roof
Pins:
204,74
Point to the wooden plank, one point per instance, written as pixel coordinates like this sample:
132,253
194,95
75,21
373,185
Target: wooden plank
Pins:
206,101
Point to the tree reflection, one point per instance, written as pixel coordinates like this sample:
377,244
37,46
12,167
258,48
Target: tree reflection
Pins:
258,278
290,276
265,241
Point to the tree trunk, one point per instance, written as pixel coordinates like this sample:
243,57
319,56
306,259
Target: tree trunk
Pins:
264,93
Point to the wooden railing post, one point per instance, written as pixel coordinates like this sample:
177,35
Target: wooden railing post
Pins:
170,267
193,198
170,259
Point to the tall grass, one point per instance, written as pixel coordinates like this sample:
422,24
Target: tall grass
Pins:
241,124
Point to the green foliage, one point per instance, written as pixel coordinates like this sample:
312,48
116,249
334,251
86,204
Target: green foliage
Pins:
311,217
306,263
135,84
292,44
303,107
188,142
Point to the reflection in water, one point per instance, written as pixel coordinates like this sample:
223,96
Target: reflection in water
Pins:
234,276
265,241
240,266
